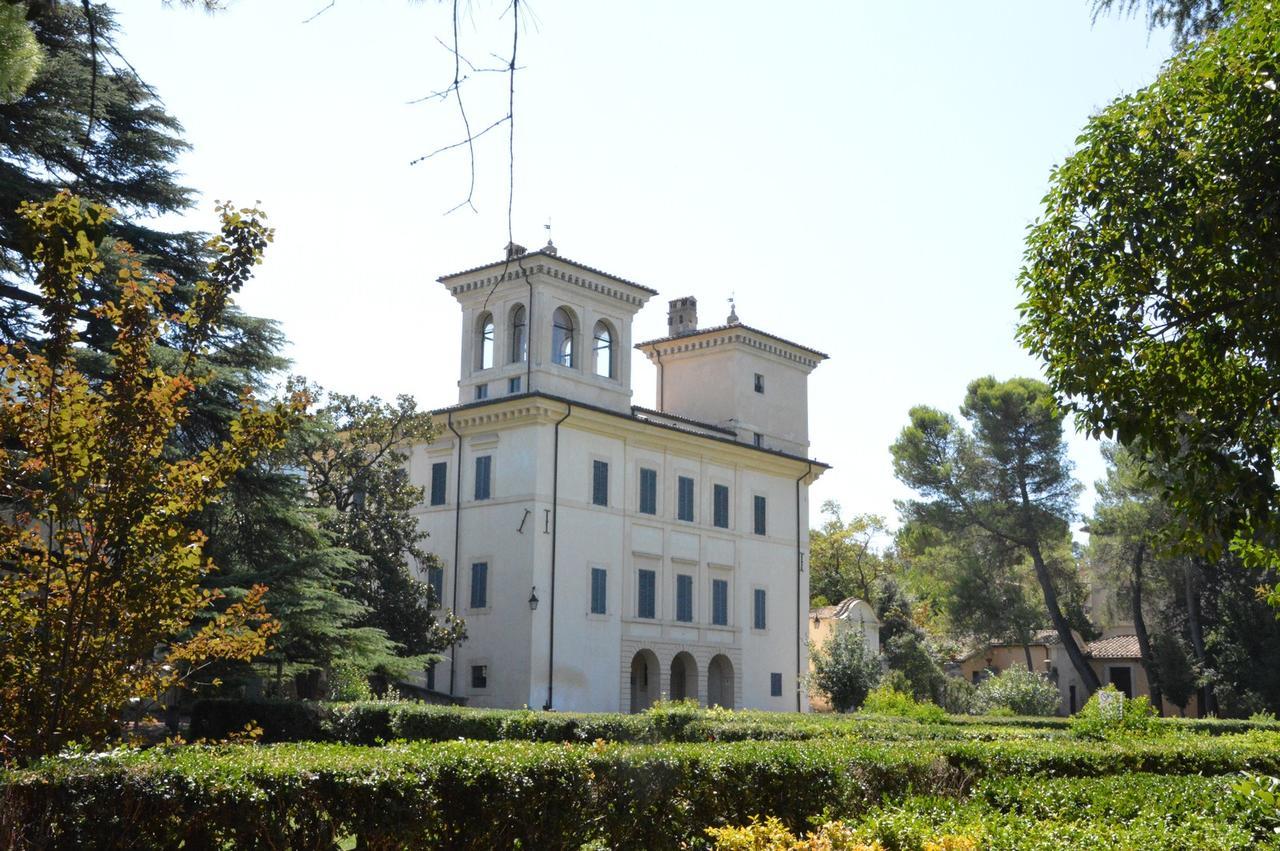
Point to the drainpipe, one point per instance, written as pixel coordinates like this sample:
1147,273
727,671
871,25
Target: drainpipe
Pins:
662,379
800,617
555,528
528,340
457,534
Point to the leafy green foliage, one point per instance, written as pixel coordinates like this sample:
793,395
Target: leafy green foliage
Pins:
1150,280
1131,812
553,795
1188,20
20,54
907,654
1008,477
1108,714
842,559
1264,793
122,156
356,465
348,683
845,670
889,701
1019,691
102,570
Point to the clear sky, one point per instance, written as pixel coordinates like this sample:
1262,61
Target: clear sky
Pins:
860,175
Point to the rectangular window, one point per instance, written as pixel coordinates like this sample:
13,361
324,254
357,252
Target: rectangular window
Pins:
720,500
480,585
684,597
760,512
775,685
720,602
484,464
757,618
599,482
684,498
648,491
480,676
599,586
513,384
439,482
435,581
758,438
482,391
646,604
759,383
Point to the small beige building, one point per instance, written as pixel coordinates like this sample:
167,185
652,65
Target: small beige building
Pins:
605,555
1114,658
825,622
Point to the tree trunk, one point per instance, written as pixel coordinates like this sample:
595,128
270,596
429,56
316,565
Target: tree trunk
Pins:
1140,629
1026,650
1194,626
1081,665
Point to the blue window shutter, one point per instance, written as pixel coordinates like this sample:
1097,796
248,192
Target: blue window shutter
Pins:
600,482
685,507
760,515
648,581
721,499
684,598
648,491
479,585
483,466
439,482
719,602
598,589
759,620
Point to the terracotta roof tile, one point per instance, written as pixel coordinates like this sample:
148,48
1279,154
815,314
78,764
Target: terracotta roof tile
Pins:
1116,647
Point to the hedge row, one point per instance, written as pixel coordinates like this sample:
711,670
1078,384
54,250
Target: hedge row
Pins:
369,723
1129,812
530,795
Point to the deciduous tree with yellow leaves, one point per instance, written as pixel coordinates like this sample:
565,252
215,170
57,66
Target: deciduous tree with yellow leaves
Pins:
99,563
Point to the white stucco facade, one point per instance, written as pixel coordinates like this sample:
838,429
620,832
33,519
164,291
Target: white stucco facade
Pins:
668,557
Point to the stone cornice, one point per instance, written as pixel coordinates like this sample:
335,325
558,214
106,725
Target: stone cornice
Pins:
730,335
623,291
540,409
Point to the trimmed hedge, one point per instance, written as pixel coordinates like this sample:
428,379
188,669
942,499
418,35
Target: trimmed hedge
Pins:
532,795
1130,812
373,722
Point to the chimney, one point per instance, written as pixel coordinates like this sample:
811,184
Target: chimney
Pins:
514,251
682,316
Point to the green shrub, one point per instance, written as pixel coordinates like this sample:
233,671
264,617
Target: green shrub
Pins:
1131,812
347,682
549,795
909,655
1109,714
371,722
1263,793
670,717
845,670
957,696
1019,691
889,701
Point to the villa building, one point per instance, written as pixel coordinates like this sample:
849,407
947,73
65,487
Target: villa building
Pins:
602,554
